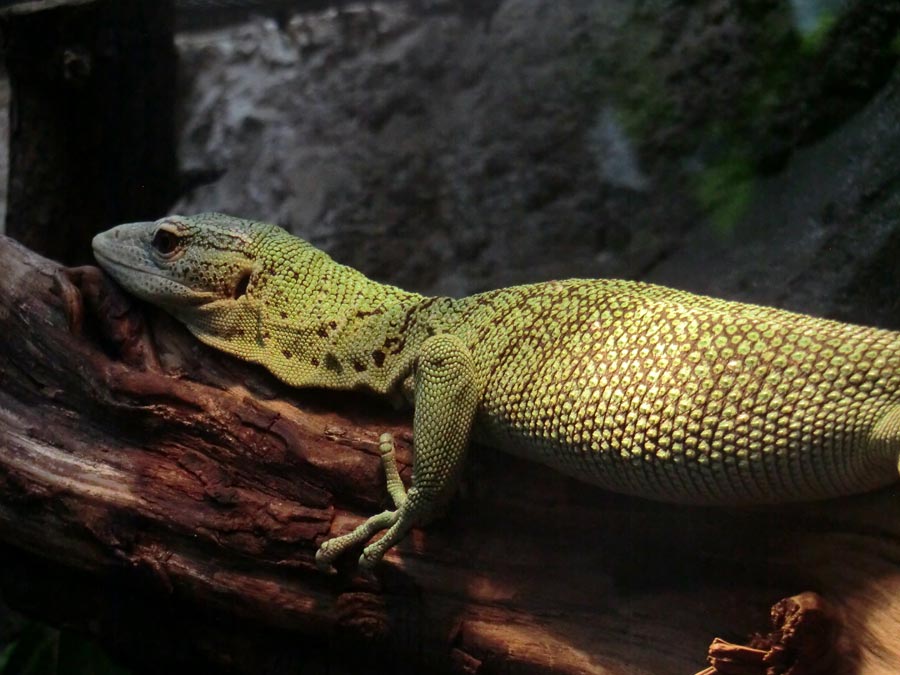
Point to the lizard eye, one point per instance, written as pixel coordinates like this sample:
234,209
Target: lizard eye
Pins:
165,241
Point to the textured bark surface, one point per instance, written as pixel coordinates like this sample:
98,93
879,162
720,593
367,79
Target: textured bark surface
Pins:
92,129
169,500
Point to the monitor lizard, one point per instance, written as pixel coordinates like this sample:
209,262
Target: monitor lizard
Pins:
635,387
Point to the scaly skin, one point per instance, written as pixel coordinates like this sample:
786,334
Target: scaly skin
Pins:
638,388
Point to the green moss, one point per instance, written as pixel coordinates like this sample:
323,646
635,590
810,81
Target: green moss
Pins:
813,40
645,108
626,72
654,111
724,190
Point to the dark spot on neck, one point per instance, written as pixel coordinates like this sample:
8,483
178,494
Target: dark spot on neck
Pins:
331,363
362,314
314,361
378,357
240,289
394,345
359,367
286,353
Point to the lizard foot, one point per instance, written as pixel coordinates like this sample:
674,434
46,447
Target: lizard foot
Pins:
446,397
397,523
332,549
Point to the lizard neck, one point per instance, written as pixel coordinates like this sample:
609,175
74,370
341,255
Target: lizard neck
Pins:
316,323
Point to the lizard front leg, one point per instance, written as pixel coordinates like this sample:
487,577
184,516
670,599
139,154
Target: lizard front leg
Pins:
446,396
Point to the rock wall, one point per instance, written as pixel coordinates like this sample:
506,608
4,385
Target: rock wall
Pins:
442,151
746,149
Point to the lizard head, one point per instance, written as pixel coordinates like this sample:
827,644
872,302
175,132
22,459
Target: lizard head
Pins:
183,262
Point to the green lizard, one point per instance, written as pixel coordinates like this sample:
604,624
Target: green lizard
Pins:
638,388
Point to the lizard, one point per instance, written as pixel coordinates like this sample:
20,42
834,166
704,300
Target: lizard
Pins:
638,388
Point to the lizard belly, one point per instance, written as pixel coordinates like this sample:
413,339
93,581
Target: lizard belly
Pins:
699,408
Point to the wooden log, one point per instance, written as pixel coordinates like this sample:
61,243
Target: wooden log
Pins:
170,499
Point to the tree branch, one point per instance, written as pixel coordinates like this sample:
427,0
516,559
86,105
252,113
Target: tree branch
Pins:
160,494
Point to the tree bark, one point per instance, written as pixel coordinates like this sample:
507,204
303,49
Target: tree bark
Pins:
170,499
92,123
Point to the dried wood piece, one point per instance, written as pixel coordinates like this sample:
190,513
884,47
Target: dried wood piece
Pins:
804,640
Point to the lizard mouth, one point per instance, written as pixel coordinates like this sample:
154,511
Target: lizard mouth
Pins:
109,263
113,266
126,274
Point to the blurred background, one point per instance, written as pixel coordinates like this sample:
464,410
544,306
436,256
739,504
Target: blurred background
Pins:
745,148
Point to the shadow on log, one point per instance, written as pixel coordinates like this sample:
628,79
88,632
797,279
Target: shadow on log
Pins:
169,500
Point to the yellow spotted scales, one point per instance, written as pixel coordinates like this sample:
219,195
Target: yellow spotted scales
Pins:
638,388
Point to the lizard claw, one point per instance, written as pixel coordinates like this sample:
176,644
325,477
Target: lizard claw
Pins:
324,556
367,560
366,564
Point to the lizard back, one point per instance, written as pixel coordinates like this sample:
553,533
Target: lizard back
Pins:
639,388
669,395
